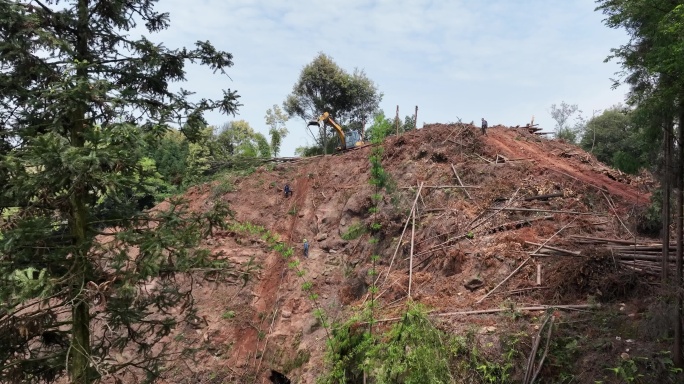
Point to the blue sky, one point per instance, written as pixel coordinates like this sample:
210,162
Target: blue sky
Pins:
502,60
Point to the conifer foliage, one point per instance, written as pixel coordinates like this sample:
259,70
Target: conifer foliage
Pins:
87,281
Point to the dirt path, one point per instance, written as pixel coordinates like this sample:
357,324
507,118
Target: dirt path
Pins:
507,142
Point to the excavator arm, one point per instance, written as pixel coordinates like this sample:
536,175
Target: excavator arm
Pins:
326,119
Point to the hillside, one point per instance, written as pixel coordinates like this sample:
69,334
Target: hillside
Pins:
522,194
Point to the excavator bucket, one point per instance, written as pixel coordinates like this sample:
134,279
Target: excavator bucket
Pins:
312,122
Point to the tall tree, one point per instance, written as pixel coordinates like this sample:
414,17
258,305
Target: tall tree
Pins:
79,97
653,68
238,138
617,140
276,120
564,128
325,87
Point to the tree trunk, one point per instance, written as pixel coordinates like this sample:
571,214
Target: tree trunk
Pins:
667,187
680,245
79,358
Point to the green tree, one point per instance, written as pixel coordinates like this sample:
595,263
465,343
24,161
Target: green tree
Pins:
238,138
80,98
615,140
276,119
653,68
325,87
565,129
381,128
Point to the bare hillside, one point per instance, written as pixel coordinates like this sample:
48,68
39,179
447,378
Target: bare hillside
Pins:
486,204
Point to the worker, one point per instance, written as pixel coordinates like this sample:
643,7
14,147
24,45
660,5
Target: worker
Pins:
306,248
484,127
287,190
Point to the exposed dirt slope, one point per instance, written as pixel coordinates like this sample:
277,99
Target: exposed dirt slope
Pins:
268,324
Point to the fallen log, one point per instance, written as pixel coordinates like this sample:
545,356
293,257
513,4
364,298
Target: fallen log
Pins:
600,239
445,186
544,197
559,250
498,310
549,211
538,197
623,256
517,224
531,308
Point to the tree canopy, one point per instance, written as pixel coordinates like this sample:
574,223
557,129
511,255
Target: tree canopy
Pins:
351,99
565,128
81,103
653,67
276,120
616,139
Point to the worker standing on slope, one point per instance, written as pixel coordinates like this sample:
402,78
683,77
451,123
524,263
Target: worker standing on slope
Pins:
306,248
484,127
287,190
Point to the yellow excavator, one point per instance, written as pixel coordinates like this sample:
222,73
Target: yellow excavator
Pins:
349,140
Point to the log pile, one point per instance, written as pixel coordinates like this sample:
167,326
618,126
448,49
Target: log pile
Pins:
643,257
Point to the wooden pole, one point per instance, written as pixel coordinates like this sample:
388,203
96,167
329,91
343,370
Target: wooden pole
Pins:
396,120
413,207
538,274
446,186
524,262
549,211
612,207
460,183
497,310
415,119
413,233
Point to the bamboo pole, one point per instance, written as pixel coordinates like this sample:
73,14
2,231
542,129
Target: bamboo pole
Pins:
524,262
460,182
612,207
446,186
504,280
560,250
549,211
517,224
539,274
531,308
413,207
600,239
498,310
413,232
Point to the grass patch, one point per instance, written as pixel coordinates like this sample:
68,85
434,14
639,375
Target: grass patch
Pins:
354,231
301,358
224,185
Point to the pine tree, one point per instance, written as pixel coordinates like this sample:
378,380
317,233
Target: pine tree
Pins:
86,279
